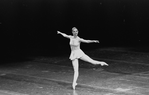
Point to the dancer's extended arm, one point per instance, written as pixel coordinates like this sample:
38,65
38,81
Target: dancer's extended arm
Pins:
63,34
89,41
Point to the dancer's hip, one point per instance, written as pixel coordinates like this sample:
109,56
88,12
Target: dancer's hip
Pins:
76,54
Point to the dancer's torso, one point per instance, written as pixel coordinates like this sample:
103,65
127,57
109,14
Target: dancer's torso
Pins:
74,43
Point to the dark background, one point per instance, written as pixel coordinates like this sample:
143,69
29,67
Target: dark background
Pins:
29,27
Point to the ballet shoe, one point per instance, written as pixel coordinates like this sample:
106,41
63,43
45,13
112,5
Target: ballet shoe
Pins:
102,63
74,86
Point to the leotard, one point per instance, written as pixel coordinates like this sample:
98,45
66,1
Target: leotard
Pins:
76,52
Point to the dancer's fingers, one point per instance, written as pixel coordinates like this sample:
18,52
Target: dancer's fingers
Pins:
58,32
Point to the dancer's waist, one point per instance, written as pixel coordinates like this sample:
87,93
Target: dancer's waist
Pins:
73,48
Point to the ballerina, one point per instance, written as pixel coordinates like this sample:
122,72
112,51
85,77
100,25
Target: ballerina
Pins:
77,53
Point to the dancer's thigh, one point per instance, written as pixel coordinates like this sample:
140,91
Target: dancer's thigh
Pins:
87,58
75,64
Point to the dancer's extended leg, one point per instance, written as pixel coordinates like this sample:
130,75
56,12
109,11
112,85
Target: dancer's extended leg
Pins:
75,64
90,60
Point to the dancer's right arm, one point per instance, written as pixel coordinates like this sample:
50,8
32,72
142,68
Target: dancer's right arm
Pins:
63,34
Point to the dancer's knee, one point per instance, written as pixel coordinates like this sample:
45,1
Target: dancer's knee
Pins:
76,71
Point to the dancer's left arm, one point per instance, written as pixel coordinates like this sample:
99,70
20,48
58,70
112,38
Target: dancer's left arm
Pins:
89,41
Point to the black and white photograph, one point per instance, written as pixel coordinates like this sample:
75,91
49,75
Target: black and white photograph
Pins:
74,47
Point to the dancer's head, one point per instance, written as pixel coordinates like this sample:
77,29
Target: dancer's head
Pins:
75,31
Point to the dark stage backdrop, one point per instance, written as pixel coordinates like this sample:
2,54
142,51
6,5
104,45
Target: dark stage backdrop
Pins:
31,25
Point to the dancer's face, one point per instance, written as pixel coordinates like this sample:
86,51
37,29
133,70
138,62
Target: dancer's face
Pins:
75,32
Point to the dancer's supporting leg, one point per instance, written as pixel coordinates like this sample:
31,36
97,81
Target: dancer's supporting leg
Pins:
90,60
75,64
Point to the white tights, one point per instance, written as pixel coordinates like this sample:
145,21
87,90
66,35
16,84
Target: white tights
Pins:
75,64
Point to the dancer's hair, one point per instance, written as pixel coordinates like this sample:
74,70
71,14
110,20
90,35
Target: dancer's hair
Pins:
74,28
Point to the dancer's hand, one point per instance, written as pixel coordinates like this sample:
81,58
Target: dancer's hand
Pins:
58,32
96,41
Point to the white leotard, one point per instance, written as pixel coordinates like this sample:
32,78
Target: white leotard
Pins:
74,43
76,52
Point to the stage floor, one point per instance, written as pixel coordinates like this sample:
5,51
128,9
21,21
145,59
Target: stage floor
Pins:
127,74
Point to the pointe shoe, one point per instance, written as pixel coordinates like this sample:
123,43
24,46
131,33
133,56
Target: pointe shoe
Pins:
101,63
74,86
104,63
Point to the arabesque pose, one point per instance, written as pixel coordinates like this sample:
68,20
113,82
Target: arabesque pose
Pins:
77,53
